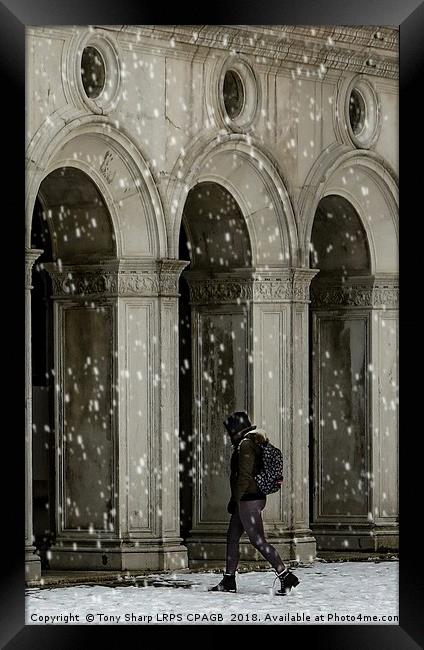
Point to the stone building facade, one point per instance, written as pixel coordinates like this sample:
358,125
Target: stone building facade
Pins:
211,225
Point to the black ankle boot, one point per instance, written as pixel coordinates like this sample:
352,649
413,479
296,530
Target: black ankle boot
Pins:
228,583
288,580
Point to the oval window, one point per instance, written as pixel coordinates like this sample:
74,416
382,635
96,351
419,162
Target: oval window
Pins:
233,94
92,72
357,111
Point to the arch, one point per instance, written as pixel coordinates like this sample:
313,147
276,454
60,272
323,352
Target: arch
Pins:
339,244
77,218
216,229
252,177
117,168
365,180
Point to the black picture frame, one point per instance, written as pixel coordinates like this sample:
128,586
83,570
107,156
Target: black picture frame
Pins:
15,15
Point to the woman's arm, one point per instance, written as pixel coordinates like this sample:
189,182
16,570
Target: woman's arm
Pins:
245,470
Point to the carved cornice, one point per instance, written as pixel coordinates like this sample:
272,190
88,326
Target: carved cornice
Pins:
101,283
362,49
215,291
376,292
121,279
366,49
31,255
286,285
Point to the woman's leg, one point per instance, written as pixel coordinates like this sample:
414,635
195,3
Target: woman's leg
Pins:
251,518
234,532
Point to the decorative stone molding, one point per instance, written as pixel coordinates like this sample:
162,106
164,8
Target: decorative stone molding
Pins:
366,49
301,281
384,296
220,291
31,255
378,292
289,285
371,112
169,275
123,278
250,89
272,289
105,167
104,42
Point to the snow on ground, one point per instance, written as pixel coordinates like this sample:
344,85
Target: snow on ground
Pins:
329,593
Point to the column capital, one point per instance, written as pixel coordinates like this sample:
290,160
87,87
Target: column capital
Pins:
386,291
285,285
31,255
116,278
169,275
379,291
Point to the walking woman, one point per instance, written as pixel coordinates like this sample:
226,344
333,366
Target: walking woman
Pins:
246,504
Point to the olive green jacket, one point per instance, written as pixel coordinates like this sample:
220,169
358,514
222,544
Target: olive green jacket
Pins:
246,462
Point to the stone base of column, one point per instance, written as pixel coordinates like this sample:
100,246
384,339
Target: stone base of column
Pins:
209,552
353,539
386,540
119,556
32,565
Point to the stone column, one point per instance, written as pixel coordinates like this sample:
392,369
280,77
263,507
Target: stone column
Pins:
281,392
116,363
168,490
355,406
32,561
384,512
250,351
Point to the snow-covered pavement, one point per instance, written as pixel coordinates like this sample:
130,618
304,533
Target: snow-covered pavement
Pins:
329,593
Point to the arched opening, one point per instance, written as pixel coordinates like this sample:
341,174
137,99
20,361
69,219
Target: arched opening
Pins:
339,246
214,330
72,226
339,381
215,229
80,225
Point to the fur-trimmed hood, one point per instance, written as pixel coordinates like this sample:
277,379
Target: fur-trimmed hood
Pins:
256,434
259,436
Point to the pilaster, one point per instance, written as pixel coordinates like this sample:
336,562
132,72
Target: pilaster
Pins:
250,352
116,363
367,308
32,561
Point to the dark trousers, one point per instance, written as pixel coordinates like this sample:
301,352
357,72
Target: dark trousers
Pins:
248,517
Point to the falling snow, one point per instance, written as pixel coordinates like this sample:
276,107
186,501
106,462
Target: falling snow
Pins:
223,235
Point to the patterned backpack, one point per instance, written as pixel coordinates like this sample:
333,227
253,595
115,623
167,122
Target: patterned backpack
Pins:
270,478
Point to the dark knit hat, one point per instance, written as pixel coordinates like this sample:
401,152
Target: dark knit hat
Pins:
237,423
